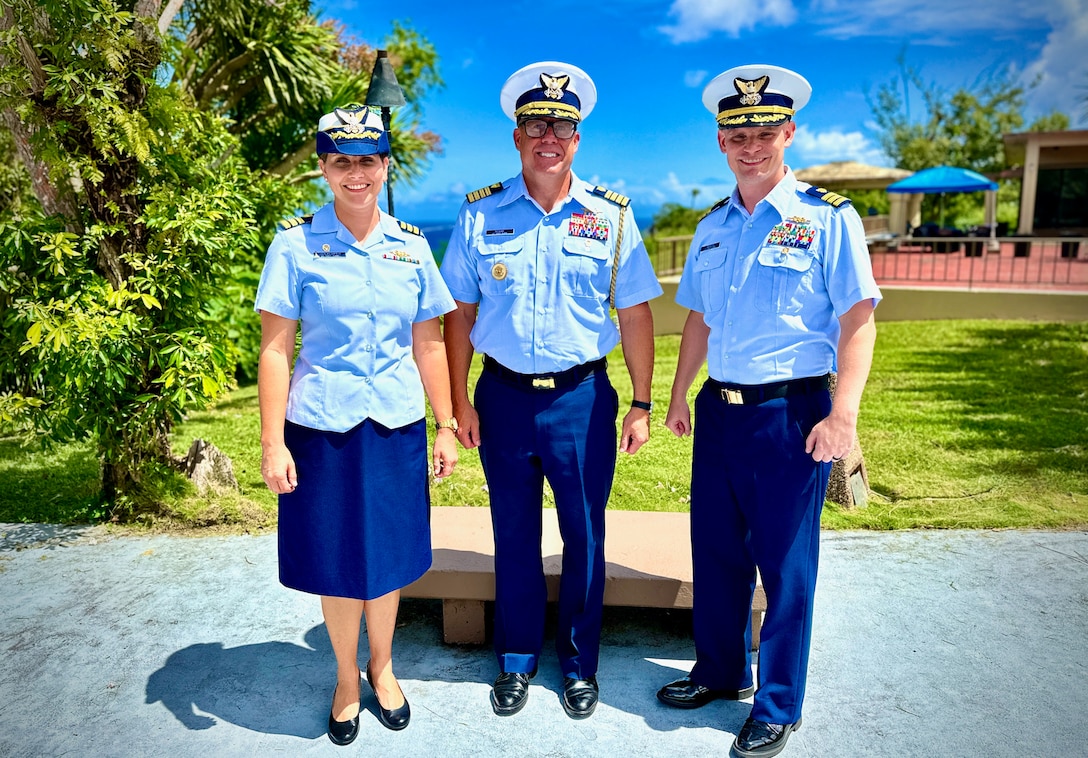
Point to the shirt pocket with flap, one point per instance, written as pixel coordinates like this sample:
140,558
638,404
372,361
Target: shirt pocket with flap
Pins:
784,278
499,268
584,269
709,266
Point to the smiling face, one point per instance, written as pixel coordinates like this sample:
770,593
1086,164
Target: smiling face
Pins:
547,155
756,154
355,180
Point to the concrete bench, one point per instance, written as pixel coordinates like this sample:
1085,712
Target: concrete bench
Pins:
647,565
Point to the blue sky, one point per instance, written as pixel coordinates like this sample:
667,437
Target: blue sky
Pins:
649,136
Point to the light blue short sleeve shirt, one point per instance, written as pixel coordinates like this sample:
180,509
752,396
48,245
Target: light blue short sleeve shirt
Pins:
542,279
356,303
772,285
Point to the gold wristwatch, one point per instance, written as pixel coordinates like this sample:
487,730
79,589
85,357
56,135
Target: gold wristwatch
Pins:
450,423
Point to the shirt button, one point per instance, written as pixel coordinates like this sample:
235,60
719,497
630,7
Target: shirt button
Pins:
367,282
368,380
370,315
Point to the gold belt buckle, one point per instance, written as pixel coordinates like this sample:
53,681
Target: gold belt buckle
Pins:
544,383
733,397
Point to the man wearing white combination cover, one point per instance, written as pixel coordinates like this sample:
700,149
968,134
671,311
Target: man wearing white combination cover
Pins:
534,264
781,293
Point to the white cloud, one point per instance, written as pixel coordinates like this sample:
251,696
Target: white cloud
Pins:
697,194
812,149
937,20
698,19
1061,70
646,198
695,78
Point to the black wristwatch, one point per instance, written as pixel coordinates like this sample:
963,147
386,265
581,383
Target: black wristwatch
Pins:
649,407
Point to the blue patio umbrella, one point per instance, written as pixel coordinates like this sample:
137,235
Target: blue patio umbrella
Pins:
943,179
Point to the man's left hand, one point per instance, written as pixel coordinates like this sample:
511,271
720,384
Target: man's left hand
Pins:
635,431
831,439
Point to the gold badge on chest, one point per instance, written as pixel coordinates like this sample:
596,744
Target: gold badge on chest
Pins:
498,271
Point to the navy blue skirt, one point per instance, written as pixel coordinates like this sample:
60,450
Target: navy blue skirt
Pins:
358,524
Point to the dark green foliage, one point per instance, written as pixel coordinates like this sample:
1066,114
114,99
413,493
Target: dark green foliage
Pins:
126,283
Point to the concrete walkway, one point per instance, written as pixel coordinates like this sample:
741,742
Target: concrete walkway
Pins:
926,643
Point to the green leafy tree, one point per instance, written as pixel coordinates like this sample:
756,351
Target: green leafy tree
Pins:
271,76
964,129
152,165
105,283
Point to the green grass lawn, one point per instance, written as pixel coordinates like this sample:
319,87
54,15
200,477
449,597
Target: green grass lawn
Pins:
965,424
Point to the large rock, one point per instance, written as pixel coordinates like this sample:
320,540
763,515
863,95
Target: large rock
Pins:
209,468
848,484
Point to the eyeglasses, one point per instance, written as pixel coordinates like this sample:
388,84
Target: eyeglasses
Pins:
538,128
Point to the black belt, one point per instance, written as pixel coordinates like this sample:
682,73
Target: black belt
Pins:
544,381
754,394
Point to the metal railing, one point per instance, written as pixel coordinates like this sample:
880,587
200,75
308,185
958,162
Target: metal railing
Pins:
1034,263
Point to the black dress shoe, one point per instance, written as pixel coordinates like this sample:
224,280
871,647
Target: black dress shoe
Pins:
395,719
343,732
510,692
684,693
580,696
758,739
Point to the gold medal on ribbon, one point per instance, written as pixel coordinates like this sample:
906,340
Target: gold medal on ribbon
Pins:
498,271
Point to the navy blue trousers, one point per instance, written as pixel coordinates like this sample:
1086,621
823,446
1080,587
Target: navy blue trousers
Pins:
567,436
756,498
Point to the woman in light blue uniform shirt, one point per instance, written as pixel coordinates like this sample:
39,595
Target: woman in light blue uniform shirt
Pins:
343,436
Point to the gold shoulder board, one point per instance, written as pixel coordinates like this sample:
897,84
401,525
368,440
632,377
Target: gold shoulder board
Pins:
410,228
828,197
613,197
291,223
483,192
720,204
